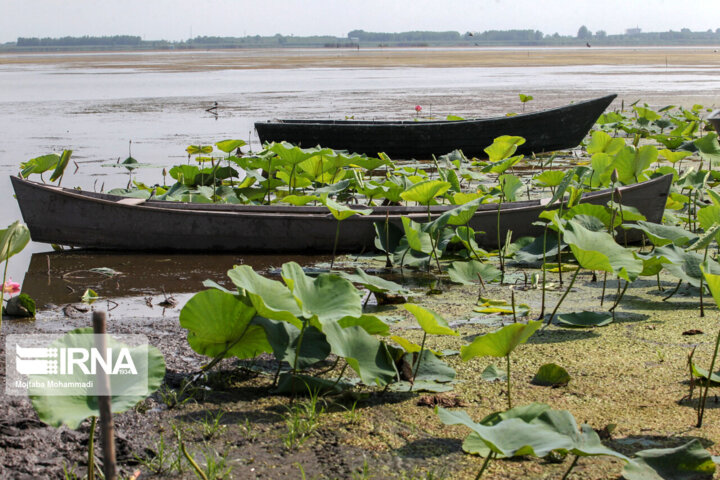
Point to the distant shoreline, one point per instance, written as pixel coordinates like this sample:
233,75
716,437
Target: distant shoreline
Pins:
430,57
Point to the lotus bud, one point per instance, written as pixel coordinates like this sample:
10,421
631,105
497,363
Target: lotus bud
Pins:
614,176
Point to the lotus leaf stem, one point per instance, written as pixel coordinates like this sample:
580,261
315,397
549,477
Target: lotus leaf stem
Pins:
572,281
509,396
674,291
417,365
708,381
190,459
340,376
337,236
572,465
484,465
542,301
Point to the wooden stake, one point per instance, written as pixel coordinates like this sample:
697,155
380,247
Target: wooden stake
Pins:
107,426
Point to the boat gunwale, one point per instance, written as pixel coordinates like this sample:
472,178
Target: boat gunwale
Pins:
360,123
322,212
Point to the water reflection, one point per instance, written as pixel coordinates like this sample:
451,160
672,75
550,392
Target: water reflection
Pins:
61,277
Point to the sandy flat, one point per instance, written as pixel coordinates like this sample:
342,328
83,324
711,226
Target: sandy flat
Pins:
369,58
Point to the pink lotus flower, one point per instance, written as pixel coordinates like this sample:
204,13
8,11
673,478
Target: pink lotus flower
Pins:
418,108
11,287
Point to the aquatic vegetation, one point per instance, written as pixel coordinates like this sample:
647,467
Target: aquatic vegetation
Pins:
500,343
13,240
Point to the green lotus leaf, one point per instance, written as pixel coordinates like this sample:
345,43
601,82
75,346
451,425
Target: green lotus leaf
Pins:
549,178
72,410
600,212
500,343
686,462
460,215
198,149
423,192
341,212
709,148
684,265
220,323
13,239
699,372
490,306
713,282
511,437
598,251
370,323
373,283
601,142
673,157
417,238
39,164
365,354
467,272
61,165
328,296
293,155
631,163
270,298
431,368
493,373
509,185
228,146
584,319
283,338
429,321
551,375
661,235
503,147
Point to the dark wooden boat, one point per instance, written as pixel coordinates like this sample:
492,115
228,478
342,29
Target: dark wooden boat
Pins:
544,131
95,220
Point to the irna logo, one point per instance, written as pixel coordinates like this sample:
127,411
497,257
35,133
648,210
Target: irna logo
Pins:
68,361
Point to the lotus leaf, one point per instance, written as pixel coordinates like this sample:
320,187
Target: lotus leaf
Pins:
699,372
686,462
373,283
365,354
601,142
13,239
341,212
61,165
72,410
493,373
673,157
584,319
661,235
429,321
228,146
551,375
423,192
598,251
549,178
328,296
39,164
684,265
219,323
500,343
467,272
283,338
489,306
709,148
631,163
270,298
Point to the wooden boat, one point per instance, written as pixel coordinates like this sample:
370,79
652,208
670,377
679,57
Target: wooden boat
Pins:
544,131
101,221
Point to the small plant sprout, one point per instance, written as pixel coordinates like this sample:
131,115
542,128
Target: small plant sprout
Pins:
524,99
500,343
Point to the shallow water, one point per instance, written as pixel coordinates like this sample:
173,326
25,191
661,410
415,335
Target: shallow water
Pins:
96,111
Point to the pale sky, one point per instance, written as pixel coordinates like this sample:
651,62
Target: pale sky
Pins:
179,19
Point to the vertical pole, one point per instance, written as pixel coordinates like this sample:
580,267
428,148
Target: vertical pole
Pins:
107,426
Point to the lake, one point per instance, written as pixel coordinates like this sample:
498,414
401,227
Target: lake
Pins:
95,104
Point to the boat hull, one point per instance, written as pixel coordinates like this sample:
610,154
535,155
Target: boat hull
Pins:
544,131
100,221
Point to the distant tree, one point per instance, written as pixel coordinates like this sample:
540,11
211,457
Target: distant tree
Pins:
601,34
685,30
584,33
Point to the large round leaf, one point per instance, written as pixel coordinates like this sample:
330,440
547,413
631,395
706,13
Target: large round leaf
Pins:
270,298
72,410
500,342
686,462
329,297
429,321
424,192
599,251
218,323
13,239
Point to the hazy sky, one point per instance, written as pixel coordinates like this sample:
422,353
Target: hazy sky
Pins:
179,19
